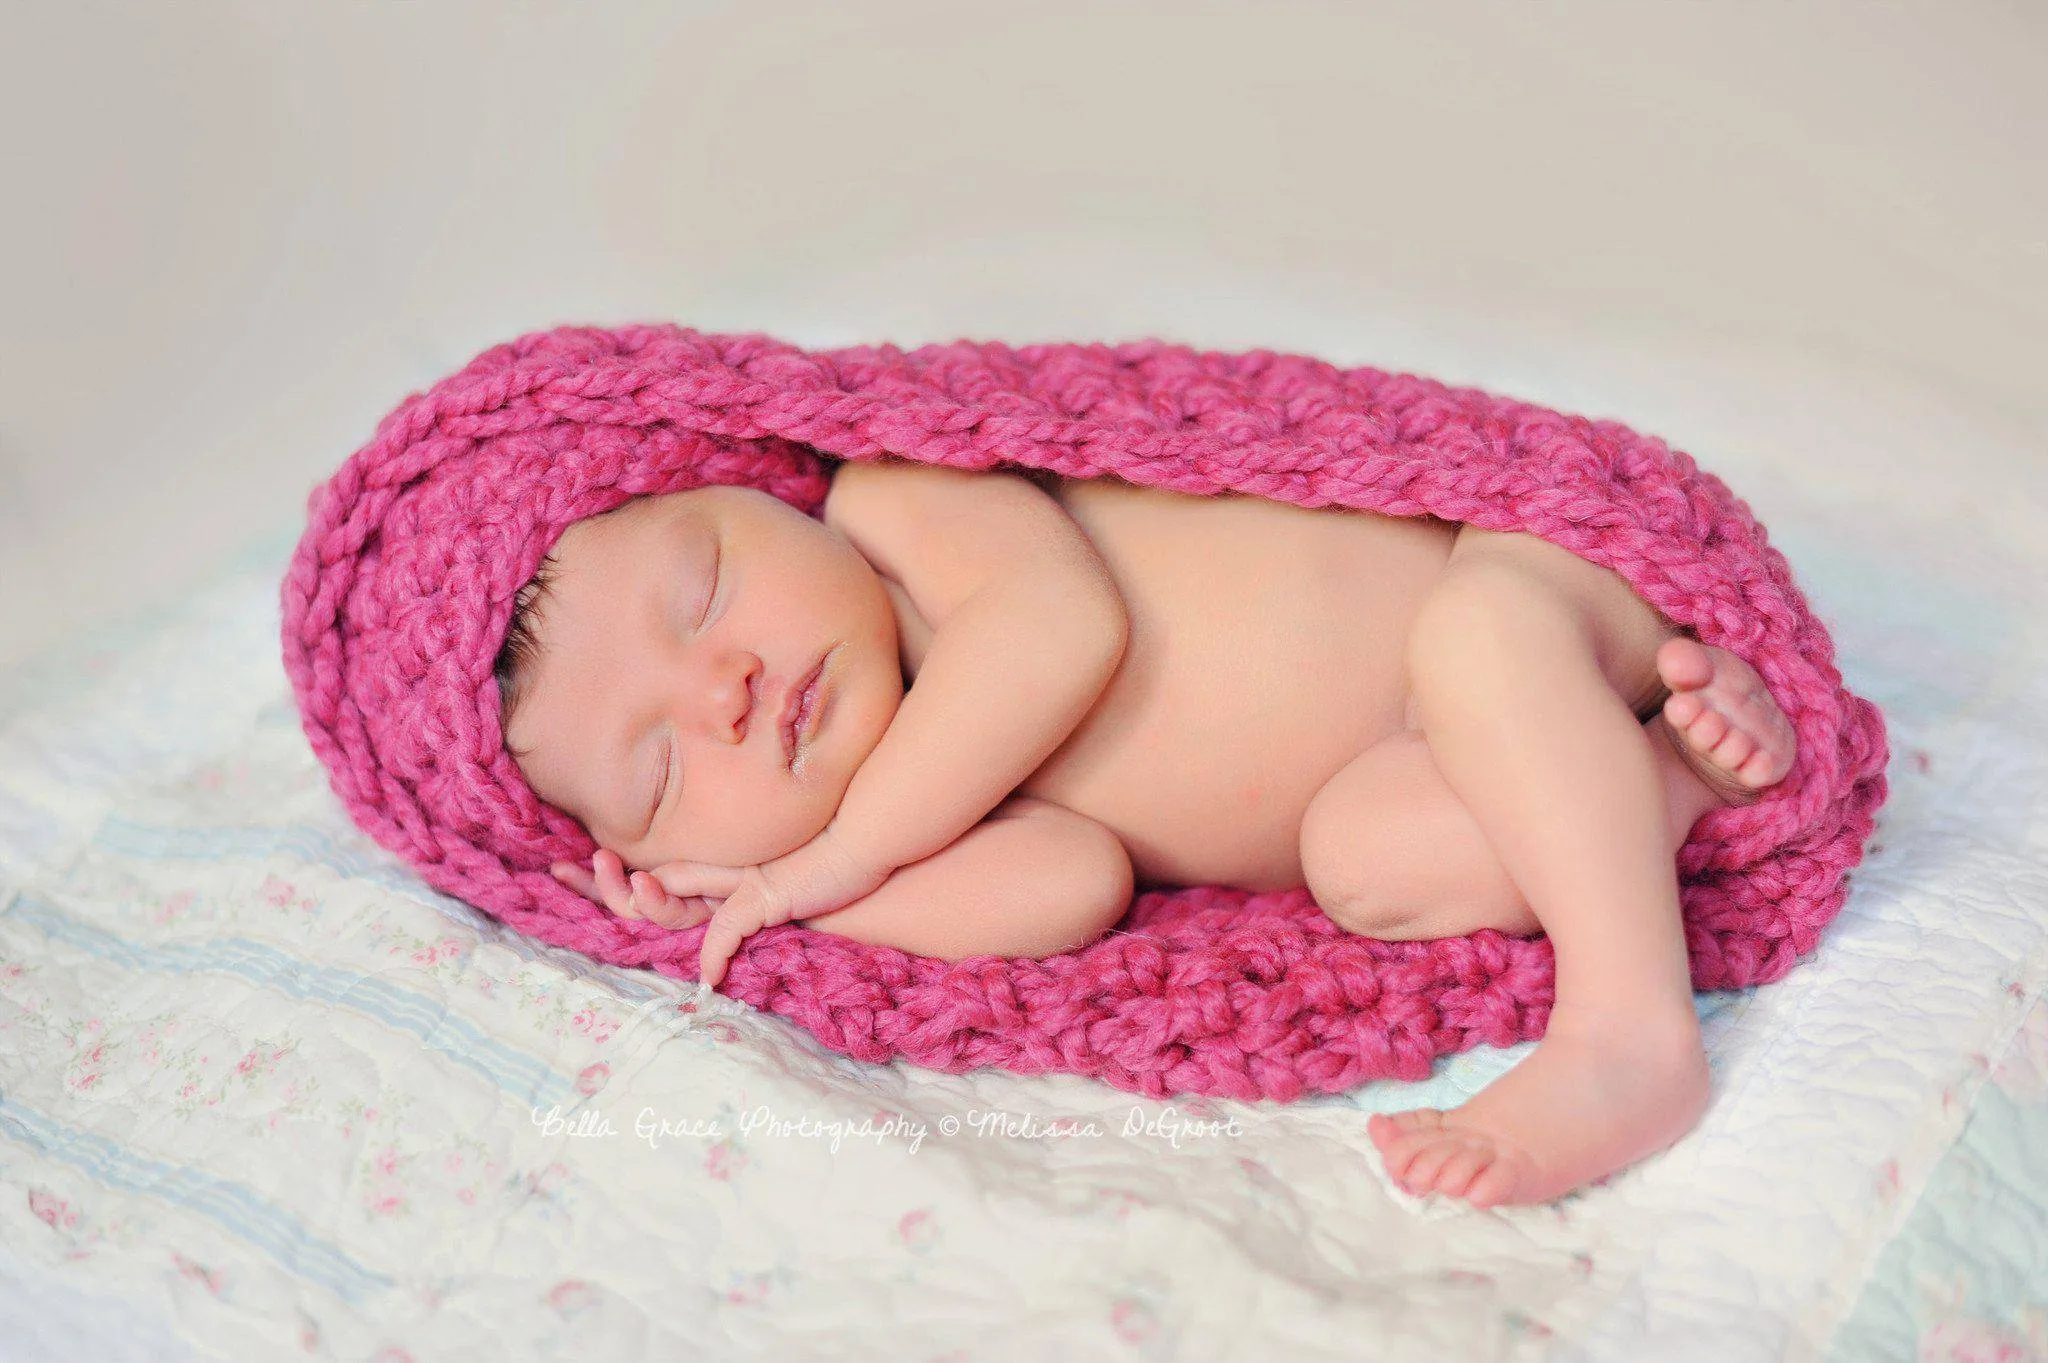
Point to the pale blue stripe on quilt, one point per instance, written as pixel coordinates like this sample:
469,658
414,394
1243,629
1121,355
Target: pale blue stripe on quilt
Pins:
521,1077
316,846
231,1206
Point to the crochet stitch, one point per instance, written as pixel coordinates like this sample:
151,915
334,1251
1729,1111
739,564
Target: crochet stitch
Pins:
398,597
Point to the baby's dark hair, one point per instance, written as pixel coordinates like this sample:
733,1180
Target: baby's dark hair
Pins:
521,649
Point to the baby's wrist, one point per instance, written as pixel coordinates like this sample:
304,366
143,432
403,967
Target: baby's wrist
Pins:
863,850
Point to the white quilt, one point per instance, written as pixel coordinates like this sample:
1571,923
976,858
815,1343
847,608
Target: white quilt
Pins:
263,1093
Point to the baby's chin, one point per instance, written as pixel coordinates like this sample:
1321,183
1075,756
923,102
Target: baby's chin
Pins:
748,852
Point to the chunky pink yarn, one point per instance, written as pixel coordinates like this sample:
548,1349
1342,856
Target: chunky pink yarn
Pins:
398,598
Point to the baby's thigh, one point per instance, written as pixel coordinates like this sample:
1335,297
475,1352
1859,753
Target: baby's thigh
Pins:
1389,850
1626,631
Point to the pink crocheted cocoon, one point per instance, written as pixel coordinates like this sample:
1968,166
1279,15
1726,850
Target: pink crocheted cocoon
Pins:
398,598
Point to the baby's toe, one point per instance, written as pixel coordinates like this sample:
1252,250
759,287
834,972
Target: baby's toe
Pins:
1684,664
1732,751
1403,1135
1706,731
1396,1124
1421,1174
1683,708
1463,1168
1494,1185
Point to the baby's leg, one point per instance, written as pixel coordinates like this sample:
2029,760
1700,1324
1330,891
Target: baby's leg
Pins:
1525,663
1388,850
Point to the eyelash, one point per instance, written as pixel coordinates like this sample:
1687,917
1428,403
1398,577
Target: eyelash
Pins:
668,756
717,563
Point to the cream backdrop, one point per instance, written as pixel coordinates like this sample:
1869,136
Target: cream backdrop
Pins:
235,234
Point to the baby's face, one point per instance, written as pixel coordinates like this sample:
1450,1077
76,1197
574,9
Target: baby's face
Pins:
674,629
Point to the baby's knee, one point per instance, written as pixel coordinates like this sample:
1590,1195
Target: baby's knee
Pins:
1364,841
1480,612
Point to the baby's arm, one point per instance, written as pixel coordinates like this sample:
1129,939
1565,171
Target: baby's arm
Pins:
1027,629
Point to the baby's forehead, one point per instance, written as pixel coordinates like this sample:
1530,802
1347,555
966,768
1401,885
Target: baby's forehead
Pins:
636,513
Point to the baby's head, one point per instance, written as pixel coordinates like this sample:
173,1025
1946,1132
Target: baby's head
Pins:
396,606
645,670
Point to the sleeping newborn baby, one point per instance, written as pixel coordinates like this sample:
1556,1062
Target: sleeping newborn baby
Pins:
968,713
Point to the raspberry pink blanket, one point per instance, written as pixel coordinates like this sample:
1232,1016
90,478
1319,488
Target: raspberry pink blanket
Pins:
399,594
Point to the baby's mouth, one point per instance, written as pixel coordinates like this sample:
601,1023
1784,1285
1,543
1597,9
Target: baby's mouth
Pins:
802,705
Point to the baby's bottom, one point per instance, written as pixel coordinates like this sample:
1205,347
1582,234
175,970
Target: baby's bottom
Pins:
1531,778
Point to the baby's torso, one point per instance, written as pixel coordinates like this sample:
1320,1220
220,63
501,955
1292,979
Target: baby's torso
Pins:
1265,652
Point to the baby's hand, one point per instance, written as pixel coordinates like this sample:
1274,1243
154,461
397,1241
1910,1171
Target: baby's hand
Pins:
639,896
822,875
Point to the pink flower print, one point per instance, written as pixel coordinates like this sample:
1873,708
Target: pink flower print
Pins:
2023,1070
198,1273
51,1210
1133,1321
918,1231
246,1064
387,1160
571,1297
467,1197
1962,1340
1464,1277
723,1161
277,893
723,1032
1888,1181
593,1078
748,1289
544,1182
598,1029
388,1203
174,907
1118,1203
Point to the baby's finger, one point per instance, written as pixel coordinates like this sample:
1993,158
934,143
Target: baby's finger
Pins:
730,926
677,913
688,878
578,879
650,901
611,879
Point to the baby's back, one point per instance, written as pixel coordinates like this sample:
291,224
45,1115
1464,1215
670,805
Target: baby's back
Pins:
1265,652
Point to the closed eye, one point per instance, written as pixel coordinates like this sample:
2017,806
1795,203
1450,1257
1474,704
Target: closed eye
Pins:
717,562
661,792
668,755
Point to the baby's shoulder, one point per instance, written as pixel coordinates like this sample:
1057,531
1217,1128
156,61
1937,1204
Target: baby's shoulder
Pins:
893,486
943,532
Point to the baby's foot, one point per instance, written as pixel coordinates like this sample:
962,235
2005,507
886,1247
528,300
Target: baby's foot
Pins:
1727,727
1589,1100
